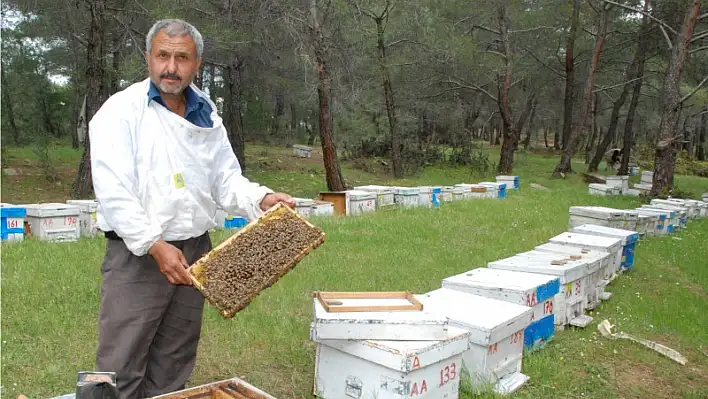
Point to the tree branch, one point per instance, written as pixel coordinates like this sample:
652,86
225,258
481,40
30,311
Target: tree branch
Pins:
666,36
660,22
542,63
700,36
695,50
617,85
470,87
485,28
695,89
532,29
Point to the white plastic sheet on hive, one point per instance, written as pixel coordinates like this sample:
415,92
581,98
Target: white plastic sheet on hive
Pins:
407,325
390,369
613,246
360,202
495,350
602,189
595,288
534,290
570,303
87,217
54,221
629,241
384,194
303,206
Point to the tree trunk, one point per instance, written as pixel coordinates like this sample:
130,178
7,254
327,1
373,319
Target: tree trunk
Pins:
293,117
115,64
529,131
591,142
278,112
83,185
545,137
232,109
665,155
564,166
700,148
6,100
212,82
556,139
335,182
570,74
511,128
396,142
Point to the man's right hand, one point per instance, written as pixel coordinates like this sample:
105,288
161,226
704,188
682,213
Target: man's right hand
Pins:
171,262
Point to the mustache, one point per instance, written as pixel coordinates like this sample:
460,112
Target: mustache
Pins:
170,76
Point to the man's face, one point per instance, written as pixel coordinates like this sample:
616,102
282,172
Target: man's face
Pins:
173,62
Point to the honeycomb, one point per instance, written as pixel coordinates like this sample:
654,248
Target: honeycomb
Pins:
235,272
223,390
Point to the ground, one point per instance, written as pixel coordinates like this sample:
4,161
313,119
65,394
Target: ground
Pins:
50,291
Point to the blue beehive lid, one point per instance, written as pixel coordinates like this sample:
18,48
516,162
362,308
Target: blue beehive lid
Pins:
12,211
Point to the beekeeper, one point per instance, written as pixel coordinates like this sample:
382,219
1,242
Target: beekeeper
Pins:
161,164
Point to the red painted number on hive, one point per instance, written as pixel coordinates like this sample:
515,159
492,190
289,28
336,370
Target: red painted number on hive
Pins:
70,220
13,223
547,307
577,287
47,222
516,337
448,374
531,299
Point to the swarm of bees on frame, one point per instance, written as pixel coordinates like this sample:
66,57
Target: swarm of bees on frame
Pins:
253,259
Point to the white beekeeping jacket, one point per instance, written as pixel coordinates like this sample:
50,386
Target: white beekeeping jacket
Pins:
156,175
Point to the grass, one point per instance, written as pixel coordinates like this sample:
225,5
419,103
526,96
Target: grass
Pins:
50,291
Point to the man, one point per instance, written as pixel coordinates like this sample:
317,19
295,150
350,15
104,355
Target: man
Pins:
161,164
613,158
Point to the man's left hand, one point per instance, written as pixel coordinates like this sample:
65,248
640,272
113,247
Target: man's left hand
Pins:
272,199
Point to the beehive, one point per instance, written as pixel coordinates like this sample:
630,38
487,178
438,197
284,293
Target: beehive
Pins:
235,272
233,388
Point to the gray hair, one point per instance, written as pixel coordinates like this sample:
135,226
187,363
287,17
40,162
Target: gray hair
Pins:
175,27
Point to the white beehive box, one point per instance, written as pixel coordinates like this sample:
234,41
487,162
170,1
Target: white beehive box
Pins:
384,194
613,246
592,286
302,151
629,241
458,194
476,191
621,182
406,197
569,306
681,212
396,325
656,223
537,291
595,288
425,196
693,209
322,208
360,202
500,188
702,211
346,369
673,218
54,221
446,194
303,206
646,224
643,188
579,215
602,189
87,217
647,177
512,182
495,350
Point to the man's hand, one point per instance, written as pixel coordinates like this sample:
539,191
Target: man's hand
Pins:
272,199
171,262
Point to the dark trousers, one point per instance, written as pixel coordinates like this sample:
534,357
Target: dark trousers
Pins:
148,329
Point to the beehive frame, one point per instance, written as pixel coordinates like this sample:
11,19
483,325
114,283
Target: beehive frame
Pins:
328,301
197,270
227,389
